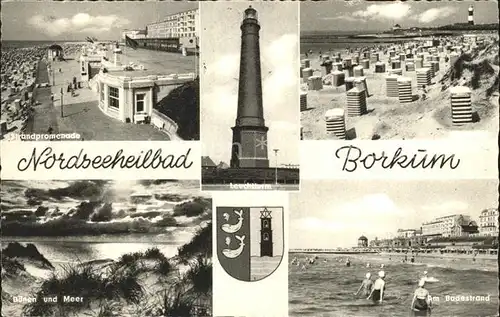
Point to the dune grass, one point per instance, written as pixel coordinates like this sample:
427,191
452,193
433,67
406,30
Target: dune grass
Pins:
111,286
88,282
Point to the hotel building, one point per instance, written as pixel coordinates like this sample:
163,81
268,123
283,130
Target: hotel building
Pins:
448,226
488,222
182,25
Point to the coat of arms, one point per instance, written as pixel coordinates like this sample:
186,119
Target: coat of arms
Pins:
250,242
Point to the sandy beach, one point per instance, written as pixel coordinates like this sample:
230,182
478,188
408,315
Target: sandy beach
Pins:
386,117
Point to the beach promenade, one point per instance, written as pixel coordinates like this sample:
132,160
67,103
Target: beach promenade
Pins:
44,115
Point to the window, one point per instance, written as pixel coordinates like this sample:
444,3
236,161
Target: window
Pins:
114,97
265,224
102,91
266,236
139,102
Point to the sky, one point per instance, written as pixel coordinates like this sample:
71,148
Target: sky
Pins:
330,214
356,15
220,55
74,21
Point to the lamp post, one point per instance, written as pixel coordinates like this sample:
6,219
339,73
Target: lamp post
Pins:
276,166
53,77
62,113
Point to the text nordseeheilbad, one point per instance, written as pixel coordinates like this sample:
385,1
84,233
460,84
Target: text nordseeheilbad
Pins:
47,158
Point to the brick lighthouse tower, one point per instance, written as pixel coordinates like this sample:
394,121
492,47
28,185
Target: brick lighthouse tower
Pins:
249,148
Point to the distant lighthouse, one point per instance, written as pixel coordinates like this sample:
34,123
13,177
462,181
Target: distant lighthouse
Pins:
470,18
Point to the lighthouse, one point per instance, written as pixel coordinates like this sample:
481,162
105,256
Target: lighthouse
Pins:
470,18
249,147
266,233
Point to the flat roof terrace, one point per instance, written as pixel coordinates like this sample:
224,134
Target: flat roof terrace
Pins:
155,62
81,112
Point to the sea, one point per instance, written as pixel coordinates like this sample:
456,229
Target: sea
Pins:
327,287
81,250
25,44
61,250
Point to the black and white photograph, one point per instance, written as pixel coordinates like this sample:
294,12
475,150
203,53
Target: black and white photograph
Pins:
100,71
394,248
106,248
398,70
249,90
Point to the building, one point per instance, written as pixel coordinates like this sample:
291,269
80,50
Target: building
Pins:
249,147
178,25
134,34
249,162
207,163
488,222
54,52
406,233
448,226
362,242
129,91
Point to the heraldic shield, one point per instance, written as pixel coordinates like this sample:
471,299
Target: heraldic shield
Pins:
250,242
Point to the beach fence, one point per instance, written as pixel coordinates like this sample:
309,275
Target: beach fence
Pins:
461,105
335,123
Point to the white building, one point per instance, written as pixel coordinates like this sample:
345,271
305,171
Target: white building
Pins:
180,25
128,92
407,233
447,226
488,222
134,34
54,52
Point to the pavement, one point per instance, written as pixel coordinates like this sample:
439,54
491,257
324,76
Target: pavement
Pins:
45,114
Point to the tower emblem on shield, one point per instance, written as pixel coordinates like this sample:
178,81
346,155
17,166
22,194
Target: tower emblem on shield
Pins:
250,242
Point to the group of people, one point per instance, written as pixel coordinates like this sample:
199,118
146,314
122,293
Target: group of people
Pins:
303,265
373,289
421,303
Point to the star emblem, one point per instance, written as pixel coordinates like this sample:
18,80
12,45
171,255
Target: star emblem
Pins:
262,143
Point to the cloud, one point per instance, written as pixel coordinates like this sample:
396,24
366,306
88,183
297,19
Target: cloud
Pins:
342,18
372,205
312,223
392,11
79,23
435,13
